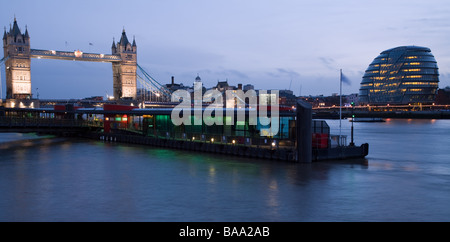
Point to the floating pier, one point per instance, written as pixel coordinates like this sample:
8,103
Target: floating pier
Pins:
300,138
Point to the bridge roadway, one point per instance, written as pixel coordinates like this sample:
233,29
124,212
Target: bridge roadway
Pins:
70,55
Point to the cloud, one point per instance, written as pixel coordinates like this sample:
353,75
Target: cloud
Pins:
227,73
283,73
328,62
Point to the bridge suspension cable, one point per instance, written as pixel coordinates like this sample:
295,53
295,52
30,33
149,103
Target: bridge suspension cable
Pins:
150,84
2,60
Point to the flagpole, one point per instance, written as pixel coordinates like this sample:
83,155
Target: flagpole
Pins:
340,108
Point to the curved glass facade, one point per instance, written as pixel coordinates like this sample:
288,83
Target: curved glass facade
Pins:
402,75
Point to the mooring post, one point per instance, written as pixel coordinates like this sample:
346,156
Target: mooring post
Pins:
304,132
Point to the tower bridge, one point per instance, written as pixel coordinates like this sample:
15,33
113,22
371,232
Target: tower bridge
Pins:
18,53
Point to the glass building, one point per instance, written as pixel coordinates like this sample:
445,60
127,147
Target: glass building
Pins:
401,75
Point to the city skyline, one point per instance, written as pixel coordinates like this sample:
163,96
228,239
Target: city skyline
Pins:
296,45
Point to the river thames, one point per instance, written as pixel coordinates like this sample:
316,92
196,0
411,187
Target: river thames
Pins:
405,177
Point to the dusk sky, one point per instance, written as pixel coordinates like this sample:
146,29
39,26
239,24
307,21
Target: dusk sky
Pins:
280,44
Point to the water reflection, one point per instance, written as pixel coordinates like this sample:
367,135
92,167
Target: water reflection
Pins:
67,180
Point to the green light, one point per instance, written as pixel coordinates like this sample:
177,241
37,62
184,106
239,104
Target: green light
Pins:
240,123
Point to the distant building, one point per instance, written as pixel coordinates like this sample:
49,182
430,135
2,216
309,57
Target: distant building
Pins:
249,87
443,96
352,98
172,87
222,86
287,98
198,84
328,101
402,75
94,98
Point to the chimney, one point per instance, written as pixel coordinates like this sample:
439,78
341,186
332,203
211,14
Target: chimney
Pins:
239,86
173,81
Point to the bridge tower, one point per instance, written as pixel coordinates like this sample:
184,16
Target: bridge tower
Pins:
124,72
16,48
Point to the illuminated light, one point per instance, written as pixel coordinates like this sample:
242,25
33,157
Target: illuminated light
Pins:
273,144
416,76
107,118
124,119
234,141
78,53
411,70
193,138
118,118
212,140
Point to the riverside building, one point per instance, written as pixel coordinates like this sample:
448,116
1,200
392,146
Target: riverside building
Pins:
401,75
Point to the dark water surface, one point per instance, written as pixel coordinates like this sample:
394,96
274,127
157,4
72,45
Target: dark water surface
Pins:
406,177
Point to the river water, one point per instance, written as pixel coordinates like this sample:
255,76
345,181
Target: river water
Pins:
405,177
